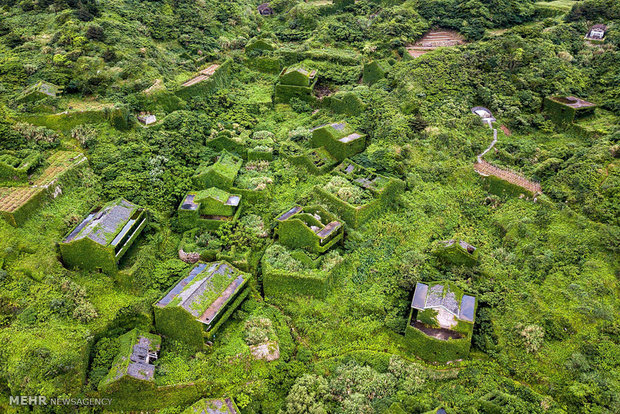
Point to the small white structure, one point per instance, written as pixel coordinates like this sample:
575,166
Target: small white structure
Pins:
485,115
147,119
597,32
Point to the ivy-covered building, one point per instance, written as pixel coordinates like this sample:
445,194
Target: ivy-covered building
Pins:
597,32
213,406
288,273
103,237
457,252
312,228
295,82
375,71
17,165
39,91
220,174
441,322
316,160
200,303
356,193
17,203
133,367
566,109
339,140
209,208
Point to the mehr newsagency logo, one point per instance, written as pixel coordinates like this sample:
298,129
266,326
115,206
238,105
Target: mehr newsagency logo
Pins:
43,400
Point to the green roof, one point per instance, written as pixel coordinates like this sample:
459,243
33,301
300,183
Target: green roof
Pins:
227,165
206,290
214,193
137,350
109,225
213,406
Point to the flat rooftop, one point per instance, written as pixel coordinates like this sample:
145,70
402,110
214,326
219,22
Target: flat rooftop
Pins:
573,102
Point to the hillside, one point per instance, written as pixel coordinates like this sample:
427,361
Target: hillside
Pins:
373,206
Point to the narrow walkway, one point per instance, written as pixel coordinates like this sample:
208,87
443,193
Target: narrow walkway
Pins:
489,147
204,74
485,169
433,40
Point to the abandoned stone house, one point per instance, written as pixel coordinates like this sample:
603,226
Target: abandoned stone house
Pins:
445,305
295,82
566,109
147,119
339,139
441,321
213,406
209,208
312,228
134,363
199,303
485,115
39,91
220,174
104,236
457,252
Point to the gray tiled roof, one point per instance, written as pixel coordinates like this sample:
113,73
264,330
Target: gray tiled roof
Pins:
468,307
139,365
437,296
106,222
195,293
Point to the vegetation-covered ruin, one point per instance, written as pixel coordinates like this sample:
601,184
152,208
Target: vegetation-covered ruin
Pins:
372,206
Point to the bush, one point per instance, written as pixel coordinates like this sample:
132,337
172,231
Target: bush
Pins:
532,337
84,134
299,106
95,32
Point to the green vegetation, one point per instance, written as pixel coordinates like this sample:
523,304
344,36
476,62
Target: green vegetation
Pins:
244,105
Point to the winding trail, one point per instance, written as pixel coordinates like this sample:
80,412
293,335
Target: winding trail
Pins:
490,146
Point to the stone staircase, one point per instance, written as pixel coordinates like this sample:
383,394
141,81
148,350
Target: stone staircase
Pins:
433,40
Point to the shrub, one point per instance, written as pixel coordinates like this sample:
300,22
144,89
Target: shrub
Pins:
263,135
85,312
279,257
41,136
85,134
346,191
532,337
259,330
300,135
307,395
95,32
299,105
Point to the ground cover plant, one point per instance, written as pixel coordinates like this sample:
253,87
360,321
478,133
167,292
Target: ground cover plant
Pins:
324,329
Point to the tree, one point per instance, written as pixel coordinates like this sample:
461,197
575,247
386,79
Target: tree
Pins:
307,395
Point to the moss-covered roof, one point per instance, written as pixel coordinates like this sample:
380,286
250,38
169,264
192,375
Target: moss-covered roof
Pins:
217,194
137,351
227,165
43,87
206,290
444,295
213,406
109,225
